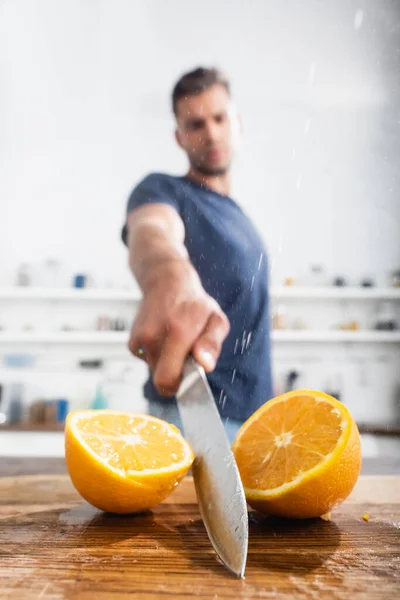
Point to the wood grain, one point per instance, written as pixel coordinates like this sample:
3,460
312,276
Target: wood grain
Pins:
55,546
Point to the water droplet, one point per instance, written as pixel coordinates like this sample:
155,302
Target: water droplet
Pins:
220,396
358,19
248,339
223,402
243,341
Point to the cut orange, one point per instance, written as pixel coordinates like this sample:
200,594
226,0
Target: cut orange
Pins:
122,462
299,455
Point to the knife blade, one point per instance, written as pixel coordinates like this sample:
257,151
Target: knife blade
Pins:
216,477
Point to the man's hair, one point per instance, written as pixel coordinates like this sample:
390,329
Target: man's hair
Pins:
197,81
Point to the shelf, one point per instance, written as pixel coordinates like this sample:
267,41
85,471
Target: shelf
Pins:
118,295
336,336
335,293
109,338
60,294
65,337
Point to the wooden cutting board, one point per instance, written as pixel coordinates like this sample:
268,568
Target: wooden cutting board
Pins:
55,546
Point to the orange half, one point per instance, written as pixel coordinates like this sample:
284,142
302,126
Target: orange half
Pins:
123,462
299,455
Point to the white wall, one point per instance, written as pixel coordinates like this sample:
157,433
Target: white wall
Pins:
84,113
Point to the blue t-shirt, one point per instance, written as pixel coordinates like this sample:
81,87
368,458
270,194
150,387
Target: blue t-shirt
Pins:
229,256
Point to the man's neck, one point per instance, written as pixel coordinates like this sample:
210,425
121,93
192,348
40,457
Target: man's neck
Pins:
218,183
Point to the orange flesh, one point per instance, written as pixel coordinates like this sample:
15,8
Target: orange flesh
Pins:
300,431
131,444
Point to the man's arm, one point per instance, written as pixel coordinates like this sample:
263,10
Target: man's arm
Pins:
176,316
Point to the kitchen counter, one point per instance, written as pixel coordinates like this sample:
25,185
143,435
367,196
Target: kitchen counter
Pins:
17,465
17,443
53,545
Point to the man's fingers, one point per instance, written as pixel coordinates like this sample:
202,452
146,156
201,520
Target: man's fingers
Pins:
168,372
207,348
145,344
200,329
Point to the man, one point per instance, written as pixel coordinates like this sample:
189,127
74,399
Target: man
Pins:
201,265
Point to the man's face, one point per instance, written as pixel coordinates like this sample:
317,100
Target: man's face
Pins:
204,131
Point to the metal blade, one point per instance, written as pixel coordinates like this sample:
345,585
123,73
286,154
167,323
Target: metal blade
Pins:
218,485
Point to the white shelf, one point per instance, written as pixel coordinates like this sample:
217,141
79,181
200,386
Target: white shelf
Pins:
278,293
65,337
110,338
335,293
336,336
91,294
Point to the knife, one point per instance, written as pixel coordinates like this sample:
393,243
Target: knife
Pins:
216,477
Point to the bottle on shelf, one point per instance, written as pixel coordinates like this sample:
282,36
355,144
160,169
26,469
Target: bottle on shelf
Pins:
279,317
100,399
293,381
334,387
317,276
386,319
24,275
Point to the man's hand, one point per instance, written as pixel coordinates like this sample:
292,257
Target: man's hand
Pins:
177,317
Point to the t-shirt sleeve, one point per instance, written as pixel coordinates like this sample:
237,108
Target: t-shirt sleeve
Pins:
155,188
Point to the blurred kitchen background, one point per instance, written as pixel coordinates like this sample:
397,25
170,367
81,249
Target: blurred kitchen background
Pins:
85,113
